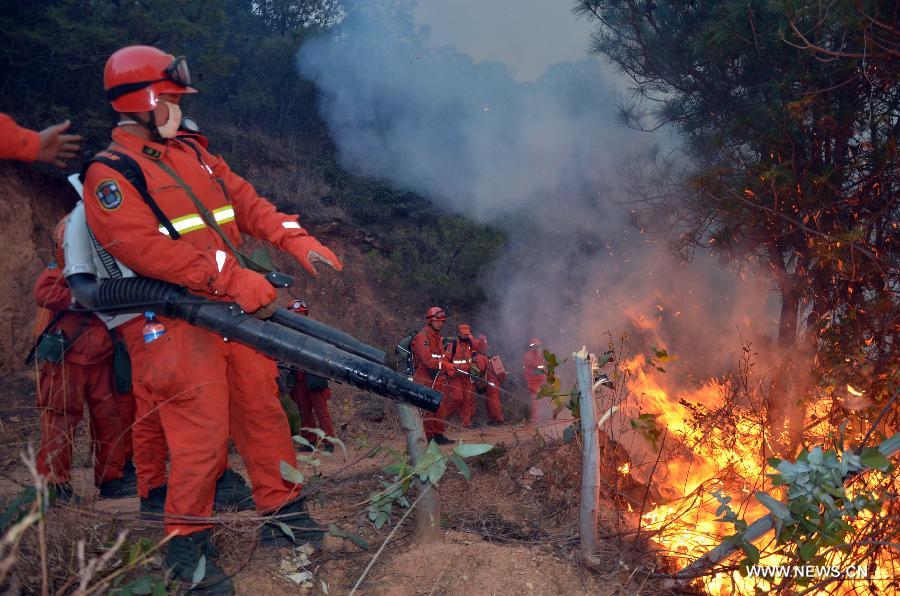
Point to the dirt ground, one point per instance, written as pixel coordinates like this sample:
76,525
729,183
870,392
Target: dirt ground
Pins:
505,531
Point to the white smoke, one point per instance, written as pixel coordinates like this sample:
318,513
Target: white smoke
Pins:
539,158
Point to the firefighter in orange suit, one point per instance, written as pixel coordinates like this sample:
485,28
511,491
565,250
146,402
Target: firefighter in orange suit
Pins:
460,391
491,388
50,145
203,386
533,368
311,394
430,369
69,378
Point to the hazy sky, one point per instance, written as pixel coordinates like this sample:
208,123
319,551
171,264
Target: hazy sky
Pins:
491,30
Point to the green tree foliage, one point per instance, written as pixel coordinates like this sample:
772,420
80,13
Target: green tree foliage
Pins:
242,56
789,162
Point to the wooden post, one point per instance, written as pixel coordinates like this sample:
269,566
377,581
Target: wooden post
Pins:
590,485
428,512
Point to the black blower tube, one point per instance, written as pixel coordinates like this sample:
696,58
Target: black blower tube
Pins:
330,335
274,339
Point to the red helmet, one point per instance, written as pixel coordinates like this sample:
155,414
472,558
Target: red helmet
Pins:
436,312
480,345
299,307
135,76
535,342
465,331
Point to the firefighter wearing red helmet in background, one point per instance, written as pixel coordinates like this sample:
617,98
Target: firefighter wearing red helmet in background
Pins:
311,394
70,378
493,378
204,387
430,369
50,145
460,392
533,368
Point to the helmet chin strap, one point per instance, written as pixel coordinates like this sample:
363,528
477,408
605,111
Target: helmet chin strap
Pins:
150,126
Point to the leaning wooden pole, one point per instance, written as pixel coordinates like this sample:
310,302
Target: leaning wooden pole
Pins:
762,526
428,513
590,483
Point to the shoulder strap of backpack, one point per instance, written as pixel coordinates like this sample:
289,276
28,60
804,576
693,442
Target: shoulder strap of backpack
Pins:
125,165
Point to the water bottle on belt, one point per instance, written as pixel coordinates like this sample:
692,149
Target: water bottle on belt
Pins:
153,329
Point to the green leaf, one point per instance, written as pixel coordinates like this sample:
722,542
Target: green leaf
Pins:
775,506
354,538
159,589
808,550
301,441
339,443
199,571
310,460
472,449
568,434
462,465
872,458
381,519
316,431
751,551
286,529
436,471
142,585
290,473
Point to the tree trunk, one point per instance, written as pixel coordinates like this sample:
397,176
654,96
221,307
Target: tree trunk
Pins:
428,511
590,485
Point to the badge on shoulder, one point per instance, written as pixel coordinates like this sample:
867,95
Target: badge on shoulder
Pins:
108,194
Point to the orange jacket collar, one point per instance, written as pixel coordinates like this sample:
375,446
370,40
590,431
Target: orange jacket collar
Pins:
145,147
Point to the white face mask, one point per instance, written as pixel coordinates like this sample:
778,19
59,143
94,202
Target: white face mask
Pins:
170,128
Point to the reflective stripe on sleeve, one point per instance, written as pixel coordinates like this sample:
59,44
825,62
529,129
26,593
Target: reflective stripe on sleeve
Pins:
224,214
187,223
290,225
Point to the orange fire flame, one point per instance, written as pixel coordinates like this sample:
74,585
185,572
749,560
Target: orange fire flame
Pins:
694,464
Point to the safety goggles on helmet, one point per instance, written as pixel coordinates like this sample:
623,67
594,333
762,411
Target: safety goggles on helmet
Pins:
177,72
439,315
298,305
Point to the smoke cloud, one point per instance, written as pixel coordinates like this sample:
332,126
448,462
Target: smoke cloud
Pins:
541,158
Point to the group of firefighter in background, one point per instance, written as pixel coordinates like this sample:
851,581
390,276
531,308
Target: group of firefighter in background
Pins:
158,389
462,367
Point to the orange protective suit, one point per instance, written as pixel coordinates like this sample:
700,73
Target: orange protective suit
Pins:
313,406
202,386
492,388
428,353
460,393
533,367
17,142
83,376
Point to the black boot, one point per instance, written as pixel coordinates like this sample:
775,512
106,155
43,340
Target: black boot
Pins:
62,493
295,516
183,556
232,493
129,471
155,503
119,488
442,440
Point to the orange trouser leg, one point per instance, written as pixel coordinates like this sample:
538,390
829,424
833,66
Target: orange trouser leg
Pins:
319,401
467,405
184,373
61,408
454,396
106,425
492,400
259,426
300,396
314,413
147,435
435,423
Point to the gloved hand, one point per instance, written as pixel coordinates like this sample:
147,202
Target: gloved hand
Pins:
448,368
308,251
248,288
